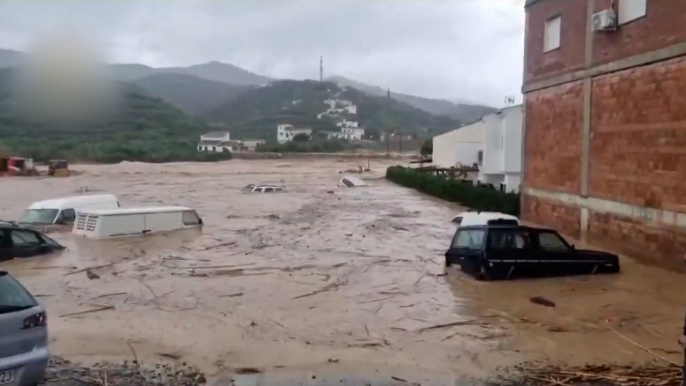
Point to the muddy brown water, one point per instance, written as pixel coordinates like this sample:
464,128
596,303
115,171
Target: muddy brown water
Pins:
332,279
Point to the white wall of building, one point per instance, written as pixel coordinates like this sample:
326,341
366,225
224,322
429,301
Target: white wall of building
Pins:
460,146
502,157
286,132
352,133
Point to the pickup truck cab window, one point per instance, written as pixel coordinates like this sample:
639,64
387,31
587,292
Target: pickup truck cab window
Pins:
551,241
509,239
471,239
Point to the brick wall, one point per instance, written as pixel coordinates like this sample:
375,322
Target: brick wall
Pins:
564,218
553,138
571,53
662,26
663,246
638,142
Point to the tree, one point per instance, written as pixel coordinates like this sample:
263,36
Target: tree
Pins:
301,137
427,147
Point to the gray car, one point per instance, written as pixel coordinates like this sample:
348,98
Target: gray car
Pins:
24,335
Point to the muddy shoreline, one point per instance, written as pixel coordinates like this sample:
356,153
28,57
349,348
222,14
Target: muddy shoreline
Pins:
290,281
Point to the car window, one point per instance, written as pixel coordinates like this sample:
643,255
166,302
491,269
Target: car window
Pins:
269,190
66,216
472,239
25,238
13,297
508,239
457,220
48,241
551,241
348,183
190,218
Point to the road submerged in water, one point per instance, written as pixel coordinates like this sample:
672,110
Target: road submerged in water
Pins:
318,280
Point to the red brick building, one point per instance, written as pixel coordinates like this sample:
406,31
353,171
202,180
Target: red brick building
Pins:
605,123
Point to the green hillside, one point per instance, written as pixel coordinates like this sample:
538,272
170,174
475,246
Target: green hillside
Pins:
192,94
256,112
138,128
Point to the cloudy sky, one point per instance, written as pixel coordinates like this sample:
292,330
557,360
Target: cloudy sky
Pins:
452,49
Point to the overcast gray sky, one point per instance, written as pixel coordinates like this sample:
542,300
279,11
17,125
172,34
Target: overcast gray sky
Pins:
453,49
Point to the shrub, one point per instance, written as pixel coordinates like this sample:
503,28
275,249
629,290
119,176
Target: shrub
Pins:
475,197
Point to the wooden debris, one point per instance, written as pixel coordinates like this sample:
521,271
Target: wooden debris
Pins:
644,348
232,295
112,294
89,268
220,245
169,355
222,266
92,275
653,375
398,379
328,287
88,312
185,259
452,324
247,370
542,301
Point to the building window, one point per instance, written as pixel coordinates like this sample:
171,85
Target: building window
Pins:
630,10
551,37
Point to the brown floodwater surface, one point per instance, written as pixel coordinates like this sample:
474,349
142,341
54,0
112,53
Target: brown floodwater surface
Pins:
316,277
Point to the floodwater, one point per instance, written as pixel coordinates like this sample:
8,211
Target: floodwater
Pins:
319,278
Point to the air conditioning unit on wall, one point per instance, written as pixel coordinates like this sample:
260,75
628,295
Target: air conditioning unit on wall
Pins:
605,20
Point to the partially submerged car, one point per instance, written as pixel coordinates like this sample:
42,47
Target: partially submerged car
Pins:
17,241
501,251
24,339
263,189
351,182
62,211
99,224
484,218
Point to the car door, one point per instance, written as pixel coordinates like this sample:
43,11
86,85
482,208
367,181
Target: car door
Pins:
66,217
5,245
25,243
555,255
466,247
509,251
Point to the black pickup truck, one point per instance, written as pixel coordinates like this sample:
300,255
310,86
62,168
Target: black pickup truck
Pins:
502,251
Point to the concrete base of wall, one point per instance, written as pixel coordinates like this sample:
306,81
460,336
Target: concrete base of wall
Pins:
651,235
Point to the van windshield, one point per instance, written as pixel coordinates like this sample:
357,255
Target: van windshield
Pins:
39,216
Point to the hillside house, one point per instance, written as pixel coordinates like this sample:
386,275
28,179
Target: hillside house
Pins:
352,133
286,132
218,141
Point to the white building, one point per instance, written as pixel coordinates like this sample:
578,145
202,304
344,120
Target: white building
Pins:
352,133
286,133
494,143
502,160
460,147
347,123
218,141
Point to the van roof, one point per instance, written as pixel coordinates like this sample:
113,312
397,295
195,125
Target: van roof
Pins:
150,209
68,202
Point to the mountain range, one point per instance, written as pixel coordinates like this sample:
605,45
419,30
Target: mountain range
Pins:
202,88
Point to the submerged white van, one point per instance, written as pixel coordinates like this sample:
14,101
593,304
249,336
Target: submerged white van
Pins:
62,211
99,224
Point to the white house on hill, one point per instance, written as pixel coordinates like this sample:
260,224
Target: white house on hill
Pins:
352,133
494,143
286,133
218,141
